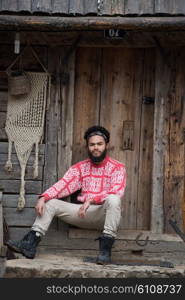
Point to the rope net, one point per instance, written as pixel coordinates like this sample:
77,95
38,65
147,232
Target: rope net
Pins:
24,125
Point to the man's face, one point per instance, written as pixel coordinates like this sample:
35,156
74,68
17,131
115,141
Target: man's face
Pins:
97,148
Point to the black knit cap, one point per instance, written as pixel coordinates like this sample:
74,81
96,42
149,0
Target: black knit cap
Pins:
97,130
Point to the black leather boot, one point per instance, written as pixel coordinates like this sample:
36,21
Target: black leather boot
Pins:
27,246
105,245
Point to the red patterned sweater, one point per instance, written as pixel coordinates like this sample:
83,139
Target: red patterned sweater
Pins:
96,181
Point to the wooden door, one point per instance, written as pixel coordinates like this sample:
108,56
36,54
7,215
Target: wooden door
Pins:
114,87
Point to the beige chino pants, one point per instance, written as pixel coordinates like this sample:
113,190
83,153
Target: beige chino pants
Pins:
104,217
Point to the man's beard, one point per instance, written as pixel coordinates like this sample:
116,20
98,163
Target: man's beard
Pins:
97,159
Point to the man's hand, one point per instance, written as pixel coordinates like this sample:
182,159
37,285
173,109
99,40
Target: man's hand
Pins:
84,208
40,206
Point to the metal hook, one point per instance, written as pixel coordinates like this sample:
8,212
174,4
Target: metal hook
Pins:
144,243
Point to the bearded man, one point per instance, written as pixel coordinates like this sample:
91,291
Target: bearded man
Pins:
101,181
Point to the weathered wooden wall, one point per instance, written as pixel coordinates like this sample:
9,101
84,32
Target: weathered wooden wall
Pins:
114,91
168,168
10,181
174,124
95,7
106,86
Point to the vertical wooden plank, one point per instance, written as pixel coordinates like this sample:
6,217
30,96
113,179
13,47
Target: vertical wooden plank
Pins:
87,97
65,129
121,101
146,142
160,143
174,168
163,6
3,249
157,213
24,5
61,7
11,5
50,175
167,197
41,6
52,115
133,7
169,7
76,7
104,7
181,86
90,7
146,7
3,109
118,7
65,133
1,220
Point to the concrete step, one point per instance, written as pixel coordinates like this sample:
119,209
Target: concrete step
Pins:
68,266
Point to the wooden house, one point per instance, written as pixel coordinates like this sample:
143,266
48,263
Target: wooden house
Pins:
118,63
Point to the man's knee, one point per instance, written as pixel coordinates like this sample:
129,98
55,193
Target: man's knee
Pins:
113,201
52,205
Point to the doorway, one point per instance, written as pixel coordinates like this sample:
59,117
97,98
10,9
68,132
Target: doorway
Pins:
114,88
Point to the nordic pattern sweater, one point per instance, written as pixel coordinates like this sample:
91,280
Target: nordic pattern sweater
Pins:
96,181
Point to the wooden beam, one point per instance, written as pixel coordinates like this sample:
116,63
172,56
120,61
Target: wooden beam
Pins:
1,220
2,247
65,130
162,87
52,115
157,217
48,23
